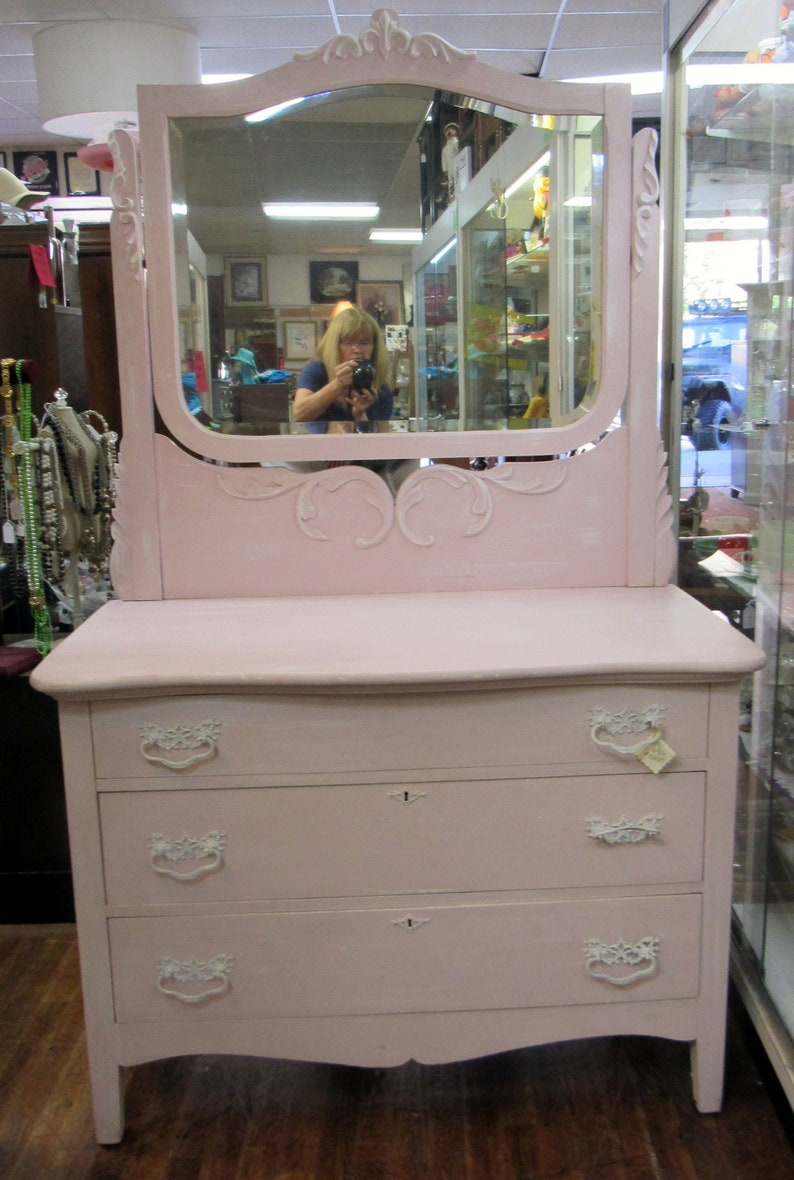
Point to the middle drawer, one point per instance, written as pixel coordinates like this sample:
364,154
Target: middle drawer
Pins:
200,846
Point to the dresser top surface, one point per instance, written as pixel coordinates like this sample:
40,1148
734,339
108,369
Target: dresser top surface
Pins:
398,642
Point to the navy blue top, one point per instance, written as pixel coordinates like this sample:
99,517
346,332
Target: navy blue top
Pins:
313,376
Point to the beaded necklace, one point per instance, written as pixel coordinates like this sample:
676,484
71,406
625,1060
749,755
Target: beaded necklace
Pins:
90,489
42,628
11,506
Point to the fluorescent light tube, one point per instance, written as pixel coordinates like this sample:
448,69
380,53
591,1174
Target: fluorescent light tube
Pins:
322,210
740,221
395,235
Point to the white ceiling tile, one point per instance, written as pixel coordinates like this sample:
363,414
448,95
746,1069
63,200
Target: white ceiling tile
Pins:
250,36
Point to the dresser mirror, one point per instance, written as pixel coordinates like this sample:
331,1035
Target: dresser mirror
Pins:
503,294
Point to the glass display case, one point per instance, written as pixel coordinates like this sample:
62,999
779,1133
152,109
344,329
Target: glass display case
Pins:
436,312
731,420
522,234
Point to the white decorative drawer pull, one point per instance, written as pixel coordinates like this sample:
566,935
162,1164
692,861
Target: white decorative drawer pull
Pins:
195,971
623,830
207,848
621,963
652,750
201,739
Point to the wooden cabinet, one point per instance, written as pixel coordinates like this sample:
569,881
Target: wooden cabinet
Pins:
72,347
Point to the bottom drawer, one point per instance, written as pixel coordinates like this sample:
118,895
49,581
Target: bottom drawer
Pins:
425,959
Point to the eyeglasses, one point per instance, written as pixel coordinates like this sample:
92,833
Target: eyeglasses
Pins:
358,342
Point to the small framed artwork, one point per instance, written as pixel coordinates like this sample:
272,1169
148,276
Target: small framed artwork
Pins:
383,301
331,281
38,170
300,340
81,181
245,282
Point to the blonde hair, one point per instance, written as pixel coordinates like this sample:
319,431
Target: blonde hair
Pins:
346,324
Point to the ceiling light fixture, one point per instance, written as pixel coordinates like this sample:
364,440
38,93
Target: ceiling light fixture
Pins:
740,74
322,210
88,72
649,82
395,235
742,221
216,79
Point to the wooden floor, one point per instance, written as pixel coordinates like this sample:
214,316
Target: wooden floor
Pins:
610,1109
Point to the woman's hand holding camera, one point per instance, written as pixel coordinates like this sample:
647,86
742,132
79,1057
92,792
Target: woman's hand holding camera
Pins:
349,376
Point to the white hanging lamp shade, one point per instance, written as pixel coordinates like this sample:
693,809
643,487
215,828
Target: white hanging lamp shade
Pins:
87,72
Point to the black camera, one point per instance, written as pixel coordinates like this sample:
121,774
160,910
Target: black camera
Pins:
363,376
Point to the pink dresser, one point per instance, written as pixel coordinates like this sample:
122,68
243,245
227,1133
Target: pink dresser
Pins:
397,850
364,771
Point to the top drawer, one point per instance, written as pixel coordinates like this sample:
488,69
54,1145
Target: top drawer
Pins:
198,736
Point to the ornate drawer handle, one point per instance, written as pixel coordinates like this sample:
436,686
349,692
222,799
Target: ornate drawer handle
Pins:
601,956
651,750
203,738
624,830
208,848
195,971
627,721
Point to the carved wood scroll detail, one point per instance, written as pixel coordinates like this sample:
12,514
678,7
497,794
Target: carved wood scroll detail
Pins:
646,196
475,488
665,536
384,36
124,199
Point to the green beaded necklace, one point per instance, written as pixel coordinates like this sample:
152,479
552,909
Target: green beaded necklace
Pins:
42,628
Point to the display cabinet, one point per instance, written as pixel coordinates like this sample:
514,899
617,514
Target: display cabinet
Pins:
737,215
437,397
528,306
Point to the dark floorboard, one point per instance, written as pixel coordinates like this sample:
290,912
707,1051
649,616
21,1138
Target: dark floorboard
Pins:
617,1108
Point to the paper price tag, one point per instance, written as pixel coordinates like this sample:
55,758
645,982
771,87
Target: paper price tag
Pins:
657,756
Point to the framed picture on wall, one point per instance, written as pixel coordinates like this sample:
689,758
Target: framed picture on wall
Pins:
38,170
245,282
383,301
331,281
81,180
300,340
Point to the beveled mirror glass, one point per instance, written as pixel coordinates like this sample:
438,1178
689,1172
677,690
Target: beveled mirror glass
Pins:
493,323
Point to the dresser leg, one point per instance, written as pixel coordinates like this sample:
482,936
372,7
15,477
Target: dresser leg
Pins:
707,1057
107,1089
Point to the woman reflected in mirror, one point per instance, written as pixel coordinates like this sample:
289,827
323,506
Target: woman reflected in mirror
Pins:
344,388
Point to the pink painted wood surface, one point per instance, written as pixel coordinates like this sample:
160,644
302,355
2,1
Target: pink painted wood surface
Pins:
650,535
432,1037
135,558
341,532
107,1091
450,730
362,960
396,641
445,837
